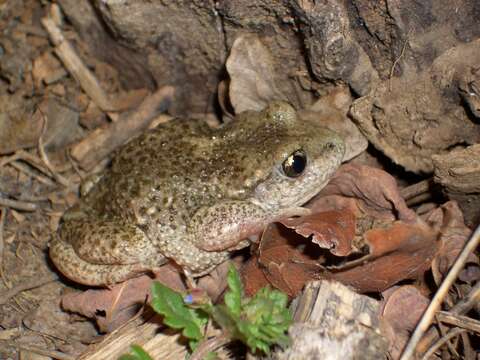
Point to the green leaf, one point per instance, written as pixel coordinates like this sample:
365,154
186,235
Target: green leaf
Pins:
137,354
265,319
176,314
233,297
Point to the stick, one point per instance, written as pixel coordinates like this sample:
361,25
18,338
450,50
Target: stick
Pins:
17,205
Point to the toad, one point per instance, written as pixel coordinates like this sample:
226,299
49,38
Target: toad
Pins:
191,194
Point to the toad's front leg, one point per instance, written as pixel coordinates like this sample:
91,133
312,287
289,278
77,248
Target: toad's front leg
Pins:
223,226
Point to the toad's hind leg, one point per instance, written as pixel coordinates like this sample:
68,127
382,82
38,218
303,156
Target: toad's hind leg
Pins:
75,268
95,252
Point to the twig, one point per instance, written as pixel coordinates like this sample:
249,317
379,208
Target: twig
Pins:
468,352
84,76
439,343
417,193
17,205
210,345
460,321
28,158
25,169
3,216
442,291
27,285
398,59
443,332
60,179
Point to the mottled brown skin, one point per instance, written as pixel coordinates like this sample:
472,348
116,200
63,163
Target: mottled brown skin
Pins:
187,193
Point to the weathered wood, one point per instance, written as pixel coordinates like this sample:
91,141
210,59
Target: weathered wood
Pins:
333,322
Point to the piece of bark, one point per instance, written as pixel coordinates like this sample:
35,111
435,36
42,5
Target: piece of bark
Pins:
413,117
333,322
146,334
332,49
459,172
182,43
101,142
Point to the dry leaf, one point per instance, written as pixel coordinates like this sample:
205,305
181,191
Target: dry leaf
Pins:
331,111
252,75
448,218
402,308
332,230
374,190
114,306
401,251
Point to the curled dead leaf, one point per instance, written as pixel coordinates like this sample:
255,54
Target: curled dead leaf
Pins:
332,230
402,307
448,218
374,190
252,75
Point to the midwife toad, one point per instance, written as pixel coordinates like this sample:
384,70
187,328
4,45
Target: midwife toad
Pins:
187,193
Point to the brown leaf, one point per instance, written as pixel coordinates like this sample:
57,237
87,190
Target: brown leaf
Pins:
402,308
252,75
333,230
113,307
375,193
399,237
253,277
287,260
402,251
331,111
448,218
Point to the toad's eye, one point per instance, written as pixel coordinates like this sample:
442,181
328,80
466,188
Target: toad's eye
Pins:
295,163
